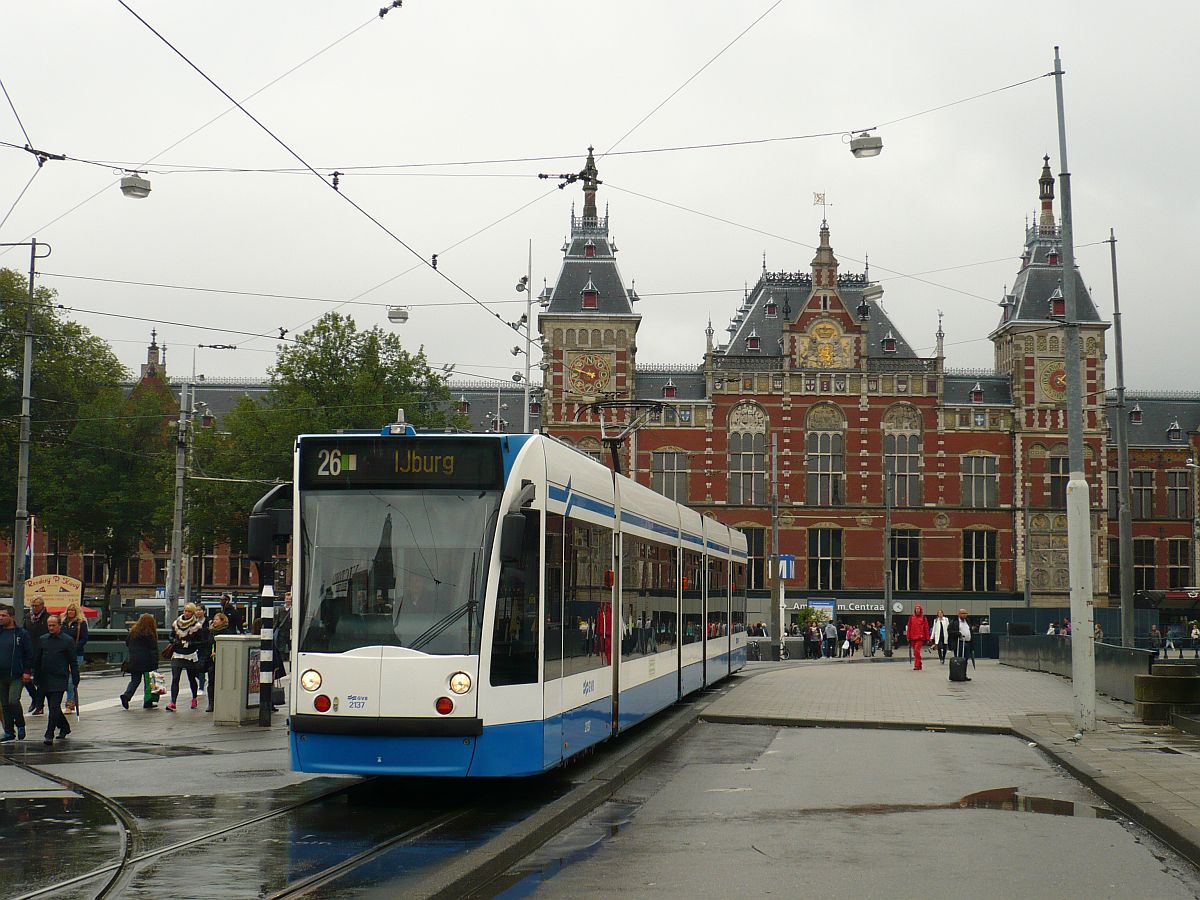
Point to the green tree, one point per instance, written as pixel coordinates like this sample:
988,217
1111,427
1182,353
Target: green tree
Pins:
334,376
112,480
71,366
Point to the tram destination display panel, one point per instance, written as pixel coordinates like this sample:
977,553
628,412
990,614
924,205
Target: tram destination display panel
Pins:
426,462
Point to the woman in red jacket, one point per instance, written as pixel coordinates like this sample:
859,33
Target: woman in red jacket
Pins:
917,633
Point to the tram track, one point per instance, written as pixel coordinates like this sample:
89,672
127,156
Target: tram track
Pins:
132,839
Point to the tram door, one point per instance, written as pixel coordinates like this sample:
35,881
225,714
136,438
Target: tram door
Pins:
552,646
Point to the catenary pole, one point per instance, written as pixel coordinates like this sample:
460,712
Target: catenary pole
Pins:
21,528
776,558
1124,513
887,557
1079,525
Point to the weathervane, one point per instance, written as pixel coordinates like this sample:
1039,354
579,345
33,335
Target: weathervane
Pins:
819,200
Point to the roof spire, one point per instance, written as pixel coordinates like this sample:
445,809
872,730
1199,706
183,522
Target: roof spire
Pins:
1046,196
590,182
824,264
941,338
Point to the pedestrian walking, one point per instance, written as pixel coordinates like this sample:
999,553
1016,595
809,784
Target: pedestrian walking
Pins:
35,625
219,626
16,670
917,633
831,634
940,635
237,618
143,659
189,635
1196,639
962,636
202,674
1156,641
75,626
54,667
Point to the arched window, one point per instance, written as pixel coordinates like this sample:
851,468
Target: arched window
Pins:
748,455
902,453
825,442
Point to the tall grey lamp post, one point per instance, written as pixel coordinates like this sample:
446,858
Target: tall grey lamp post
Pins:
1124,514
1079,526
21,527
888,488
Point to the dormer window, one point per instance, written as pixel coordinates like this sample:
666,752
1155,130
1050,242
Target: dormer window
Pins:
591,297
1058,306
889,343
668,390
977,393
752,341
589,249
772,309
1053,258
464,405
535,407
1135,415
1174,432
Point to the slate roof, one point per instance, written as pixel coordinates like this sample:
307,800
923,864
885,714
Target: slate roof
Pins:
997,390
789,291
1159,411
601,270
481,395
688,381
1029,299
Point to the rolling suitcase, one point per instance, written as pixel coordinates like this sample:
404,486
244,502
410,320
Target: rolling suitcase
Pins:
958,666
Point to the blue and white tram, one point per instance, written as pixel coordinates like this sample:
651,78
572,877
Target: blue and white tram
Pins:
492,605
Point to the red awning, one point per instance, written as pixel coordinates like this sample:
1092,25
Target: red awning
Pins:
88,612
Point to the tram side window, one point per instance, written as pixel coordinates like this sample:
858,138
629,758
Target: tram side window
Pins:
739,598
515,629
587,603
718,598
552,640
693,597
648,620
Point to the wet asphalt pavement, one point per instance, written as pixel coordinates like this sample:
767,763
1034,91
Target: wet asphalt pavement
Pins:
761,810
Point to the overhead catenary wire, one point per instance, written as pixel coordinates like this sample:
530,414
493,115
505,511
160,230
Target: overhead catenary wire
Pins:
142,165
325,181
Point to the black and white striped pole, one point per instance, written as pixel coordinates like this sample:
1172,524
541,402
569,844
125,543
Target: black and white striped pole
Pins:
266,660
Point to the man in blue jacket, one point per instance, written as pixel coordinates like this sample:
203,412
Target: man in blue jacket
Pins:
16,666
55,664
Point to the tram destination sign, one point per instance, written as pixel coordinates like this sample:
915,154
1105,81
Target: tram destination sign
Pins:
333,463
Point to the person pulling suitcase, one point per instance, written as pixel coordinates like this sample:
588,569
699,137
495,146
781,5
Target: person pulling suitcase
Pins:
958,665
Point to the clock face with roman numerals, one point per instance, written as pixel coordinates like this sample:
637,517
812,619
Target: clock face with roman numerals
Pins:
1054,381
589,373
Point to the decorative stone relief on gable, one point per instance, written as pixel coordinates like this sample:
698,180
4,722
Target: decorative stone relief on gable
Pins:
748,418
824,346
825,417
902,417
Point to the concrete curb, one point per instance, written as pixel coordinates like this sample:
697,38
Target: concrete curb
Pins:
725,719
1183,838
484,863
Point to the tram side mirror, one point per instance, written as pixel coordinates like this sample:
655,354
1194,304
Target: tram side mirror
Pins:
260,537
512,538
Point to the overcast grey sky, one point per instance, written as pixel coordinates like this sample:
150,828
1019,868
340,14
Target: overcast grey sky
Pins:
464,80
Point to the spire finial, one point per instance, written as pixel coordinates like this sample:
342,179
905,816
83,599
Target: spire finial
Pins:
590,183
764,262
1046,196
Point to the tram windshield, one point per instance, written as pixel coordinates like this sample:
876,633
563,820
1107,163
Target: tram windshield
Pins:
394,568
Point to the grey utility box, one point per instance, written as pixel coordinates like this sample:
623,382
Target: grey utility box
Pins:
237,677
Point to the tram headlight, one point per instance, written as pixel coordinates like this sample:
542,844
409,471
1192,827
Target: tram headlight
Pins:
310,680
460,682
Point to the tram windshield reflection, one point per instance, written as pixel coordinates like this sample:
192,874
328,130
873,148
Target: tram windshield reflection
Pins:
392,568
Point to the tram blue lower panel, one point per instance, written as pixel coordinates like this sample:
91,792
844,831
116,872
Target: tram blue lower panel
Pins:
644,700
512,749
738,658
692,678
718,667
382,755
586,725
